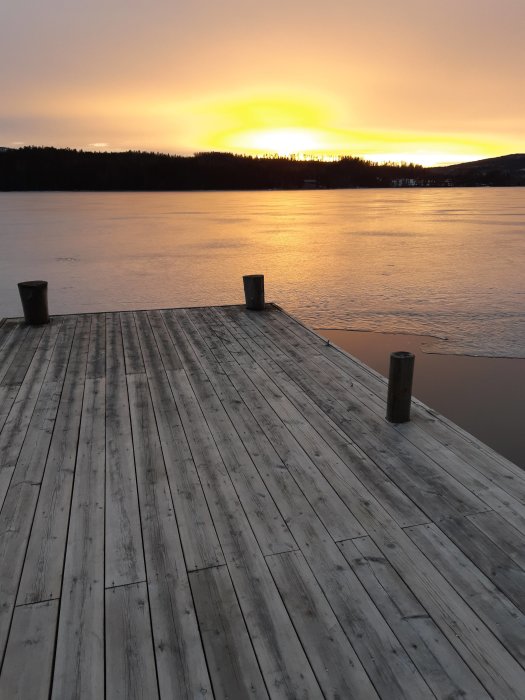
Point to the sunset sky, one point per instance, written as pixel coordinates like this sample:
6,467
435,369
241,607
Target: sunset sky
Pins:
413,80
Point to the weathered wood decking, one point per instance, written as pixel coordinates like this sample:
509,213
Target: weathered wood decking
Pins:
209,503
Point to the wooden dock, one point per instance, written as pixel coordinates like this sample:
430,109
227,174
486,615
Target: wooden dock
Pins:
209,502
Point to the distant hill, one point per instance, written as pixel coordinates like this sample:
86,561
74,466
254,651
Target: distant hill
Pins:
503,171
33,168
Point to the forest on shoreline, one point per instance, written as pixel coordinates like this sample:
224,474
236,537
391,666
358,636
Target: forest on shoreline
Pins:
39,168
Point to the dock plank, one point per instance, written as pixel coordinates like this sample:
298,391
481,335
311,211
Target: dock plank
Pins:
28,664
503,534
18,508
298,446
440,665
324,458
475,469
130,662
43,567
464,444
384,489
281,658
165,345
231,659
199,538
7,398
16,519
269,527
132,353
10,347
19,415
197,531
79,663
395,674
336,665
21,356
96,364
485,487
500,568
124,554
494,466
447,610
439,494
5,330
181,665
491,662
486,482
31,459
503,618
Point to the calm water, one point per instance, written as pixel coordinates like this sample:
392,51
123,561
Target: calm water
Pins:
447,262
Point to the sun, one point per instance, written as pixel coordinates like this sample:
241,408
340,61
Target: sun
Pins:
284,141
303,125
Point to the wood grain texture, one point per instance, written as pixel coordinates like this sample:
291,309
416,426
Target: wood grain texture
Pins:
19,504
269,527
13,342
395,674
488,557
18,418
31,460
491,647
280,654
336,665
436,659
132,353
15,372
79,663
130,662
299,447
412,470
231,659
320,551
43,567
464,445
509,539
7,397
28,664
181,665
16,519
375,480
124,555
199,538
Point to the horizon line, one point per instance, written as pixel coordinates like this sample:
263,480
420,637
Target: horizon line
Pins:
300,156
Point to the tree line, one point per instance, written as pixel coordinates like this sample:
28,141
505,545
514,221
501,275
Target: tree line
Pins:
45,168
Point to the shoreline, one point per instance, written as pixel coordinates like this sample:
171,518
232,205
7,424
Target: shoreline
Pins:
483,395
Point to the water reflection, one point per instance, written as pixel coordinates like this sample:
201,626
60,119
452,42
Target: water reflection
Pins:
444,262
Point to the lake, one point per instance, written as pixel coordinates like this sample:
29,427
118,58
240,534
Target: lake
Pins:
446,263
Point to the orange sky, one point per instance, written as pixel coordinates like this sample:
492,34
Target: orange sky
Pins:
405,80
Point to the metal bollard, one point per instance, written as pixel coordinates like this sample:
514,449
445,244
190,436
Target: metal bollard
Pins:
400,387
254,291
33,295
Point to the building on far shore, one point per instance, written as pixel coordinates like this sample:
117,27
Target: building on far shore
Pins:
310,184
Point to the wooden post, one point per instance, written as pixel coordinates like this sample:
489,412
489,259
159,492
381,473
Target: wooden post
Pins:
400,387
34,301
254,291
